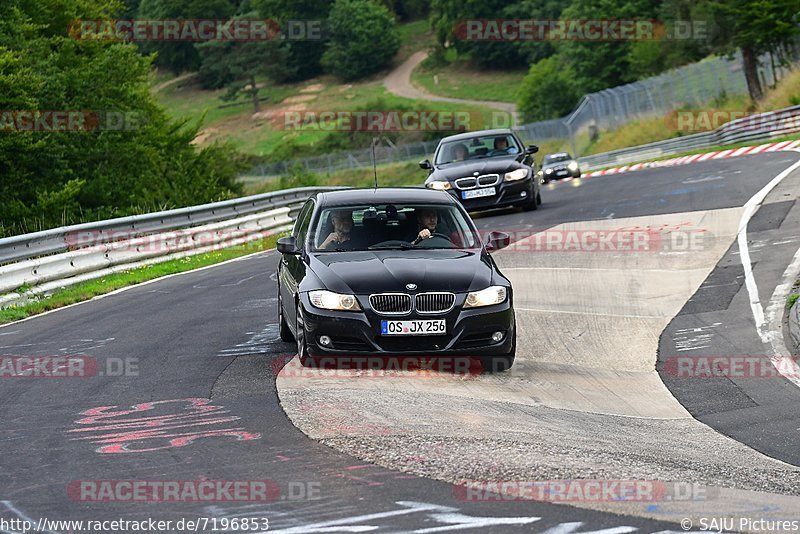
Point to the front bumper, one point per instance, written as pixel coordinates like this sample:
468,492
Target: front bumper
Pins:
560,174
508,194
468,331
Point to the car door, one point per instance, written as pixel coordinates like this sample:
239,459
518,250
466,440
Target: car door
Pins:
292,266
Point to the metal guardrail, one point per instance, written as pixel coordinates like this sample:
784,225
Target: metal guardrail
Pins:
757,127
37,244
61,256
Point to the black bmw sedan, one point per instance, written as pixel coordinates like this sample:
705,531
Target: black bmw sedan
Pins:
485,169
393,272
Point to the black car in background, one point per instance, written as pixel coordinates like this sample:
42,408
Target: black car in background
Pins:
559,165
485,169
395,272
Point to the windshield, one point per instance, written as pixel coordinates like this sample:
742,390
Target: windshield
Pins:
488,146
392,226
555,158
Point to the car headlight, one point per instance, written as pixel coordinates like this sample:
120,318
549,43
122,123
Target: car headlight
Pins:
486,297
439,185
548,171
328,300
572,165
513,176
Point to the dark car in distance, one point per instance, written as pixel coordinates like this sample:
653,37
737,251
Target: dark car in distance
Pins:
485,169
559,165
393,272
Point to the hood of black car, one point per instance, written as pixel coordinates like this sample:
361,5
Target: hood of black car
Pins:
380,271
453,171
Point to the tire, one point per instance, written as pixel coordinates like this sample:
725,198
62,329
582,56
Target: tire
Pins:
498,364
300,338
285,332
532,204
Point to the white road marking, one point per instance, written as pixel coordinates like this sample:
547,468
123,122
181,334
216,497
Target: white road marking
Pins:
570,528
781,358
11,508
767,335
704,179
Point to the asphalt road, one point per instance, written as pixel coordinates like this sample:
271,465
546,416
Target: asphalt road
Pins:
208,339
746,398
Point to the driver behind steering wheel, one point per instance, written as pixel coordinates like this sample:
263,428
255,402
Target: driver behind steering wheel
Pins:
427,220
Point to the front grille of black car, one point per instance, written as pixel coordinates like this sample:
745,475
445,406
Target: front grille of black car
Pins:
390,303
435,302
488,179
466,183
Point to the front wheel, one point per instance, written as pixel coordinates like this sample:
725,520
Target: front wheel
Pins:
498,364
285,333
300,337
532,203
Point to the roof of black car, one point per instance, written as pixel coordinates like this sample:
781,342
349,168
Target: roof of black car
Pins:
383,195
479,133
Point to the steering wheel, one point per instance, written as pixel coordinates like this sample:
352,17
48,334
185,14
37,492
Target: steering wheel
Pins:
437,234
434,235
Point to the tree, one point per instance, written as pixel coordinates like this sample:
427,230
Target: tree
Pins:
450,16
106,169
304,56
363,39
754,27
547,91
602,64
237,64
179,56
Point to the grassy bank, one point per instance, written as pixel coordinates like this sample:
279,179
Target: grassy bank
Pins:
112,282
459,80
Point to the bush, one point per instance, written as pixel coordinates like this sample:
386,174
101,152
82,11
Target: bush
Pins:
363,39
52,178
547,91
298,176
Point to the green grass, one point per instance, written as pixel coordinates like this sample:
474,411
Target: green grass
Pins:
92,288
414,36
187,100
261,137
792,299
459,80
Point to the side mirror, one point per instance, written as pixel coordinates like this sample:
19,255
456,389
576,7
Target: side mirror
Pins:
288,245
425,164
532,149
497,240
